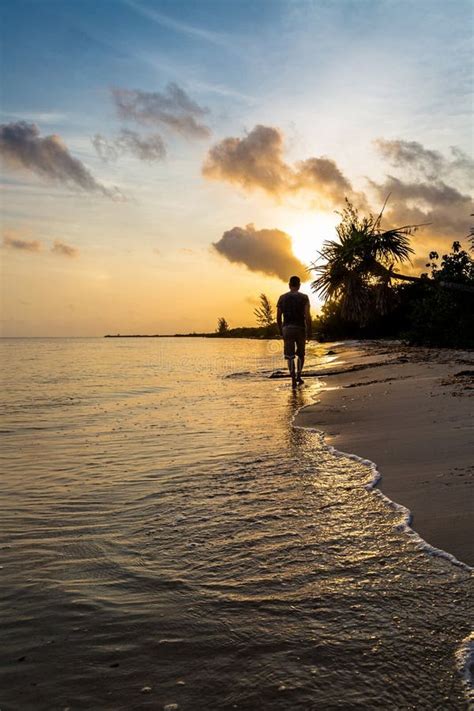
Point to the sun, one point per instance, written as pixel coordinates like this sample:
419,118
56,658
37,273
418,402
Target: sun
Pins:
309,231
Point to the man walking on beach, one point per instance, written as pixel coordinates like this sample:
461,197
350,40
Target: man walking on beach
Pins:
294,325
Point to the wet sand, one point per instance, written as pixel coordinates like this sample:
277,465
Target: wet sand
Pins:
409,410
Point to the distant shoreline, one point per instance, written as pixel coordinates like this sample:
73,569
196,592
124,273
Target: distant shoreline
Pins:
244,332
153,335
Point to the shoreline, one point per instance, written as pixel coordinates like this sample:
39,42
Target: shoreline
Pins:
408,411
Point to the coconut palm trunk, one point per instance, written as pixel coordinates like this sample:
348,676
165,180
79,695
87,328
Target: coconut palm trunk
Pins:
384,272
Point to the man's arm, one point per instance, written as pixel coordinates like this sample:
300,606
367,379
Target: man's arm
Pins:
307,319
279,320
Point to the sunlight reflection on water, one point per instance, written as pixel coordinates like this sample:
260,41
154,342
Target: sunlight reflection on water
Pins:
165,526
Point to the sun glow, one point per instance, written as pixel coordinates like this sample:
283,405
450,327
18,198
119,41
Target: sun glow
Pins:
309,231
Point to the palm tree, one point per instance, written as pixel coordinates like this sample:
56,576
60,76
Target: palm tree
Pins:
358,270
264,313
222,326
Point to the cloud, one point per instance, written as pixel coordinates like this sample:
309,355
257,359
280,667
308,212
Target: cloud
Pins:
461,161
60,248
267,251
410,154
443,206
146,148
431,164
445,209
23,148
106,150
23,245
64,250
429,194
253,161
172,108
41,116
323,176
432,188
181,27
256,161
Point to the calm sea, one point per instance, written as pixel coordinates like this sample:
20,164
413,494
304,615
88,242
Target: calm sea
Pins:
170,541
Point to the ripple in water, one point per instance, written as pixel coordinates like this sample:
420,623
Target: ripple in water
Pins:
169,538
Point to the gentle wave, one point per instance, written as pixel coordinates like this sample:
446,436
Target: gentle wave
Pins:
465,654
196,536
465,662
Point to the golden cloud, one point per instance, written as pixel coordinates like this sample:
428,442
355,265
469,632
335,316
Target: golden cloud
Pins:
268,251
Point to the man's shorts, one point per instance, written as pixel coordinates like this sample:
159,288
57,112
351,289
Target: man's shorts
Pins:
294,339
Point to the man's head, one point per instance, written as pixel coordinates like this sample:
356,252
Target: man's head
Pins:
294,283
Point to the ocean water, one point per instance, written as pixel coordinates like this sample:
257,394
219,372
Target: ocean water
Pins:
170,541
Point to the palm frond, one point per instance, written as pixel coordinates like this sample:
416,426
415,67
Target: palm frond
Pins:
392,244
356,269
378,220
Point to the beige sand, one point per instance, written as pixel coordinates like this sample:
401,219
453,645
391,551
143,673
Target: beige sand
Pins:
409,410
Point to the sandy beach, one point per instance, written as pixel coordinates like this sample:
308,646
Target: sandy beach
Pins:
409,410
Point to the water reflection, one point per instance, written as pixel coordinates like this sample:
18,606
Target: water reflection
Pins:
166,524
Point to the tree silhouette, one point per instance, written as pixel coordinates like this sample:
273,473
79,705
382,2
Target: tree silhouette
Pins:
264,313
222,325
358,270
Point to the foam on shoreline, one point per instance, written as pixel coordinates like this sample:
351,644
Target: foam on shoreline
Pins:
464,661
464,655
405,524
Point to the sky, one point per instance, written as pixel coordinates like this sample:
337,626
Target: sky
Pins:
166,162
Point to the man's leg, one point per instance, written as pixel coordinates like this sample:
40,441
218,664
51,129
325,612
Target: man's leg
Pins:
289,349
300,353
291,364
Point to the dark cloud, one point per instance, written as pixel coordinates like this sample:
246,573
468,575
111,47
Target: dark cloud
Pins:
64,250
253,161
22,147
410,154
147,148
22,244
432,188
106,150
430,194
443,206
323,176
267,251
414,157
172,108
256,161
461,161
